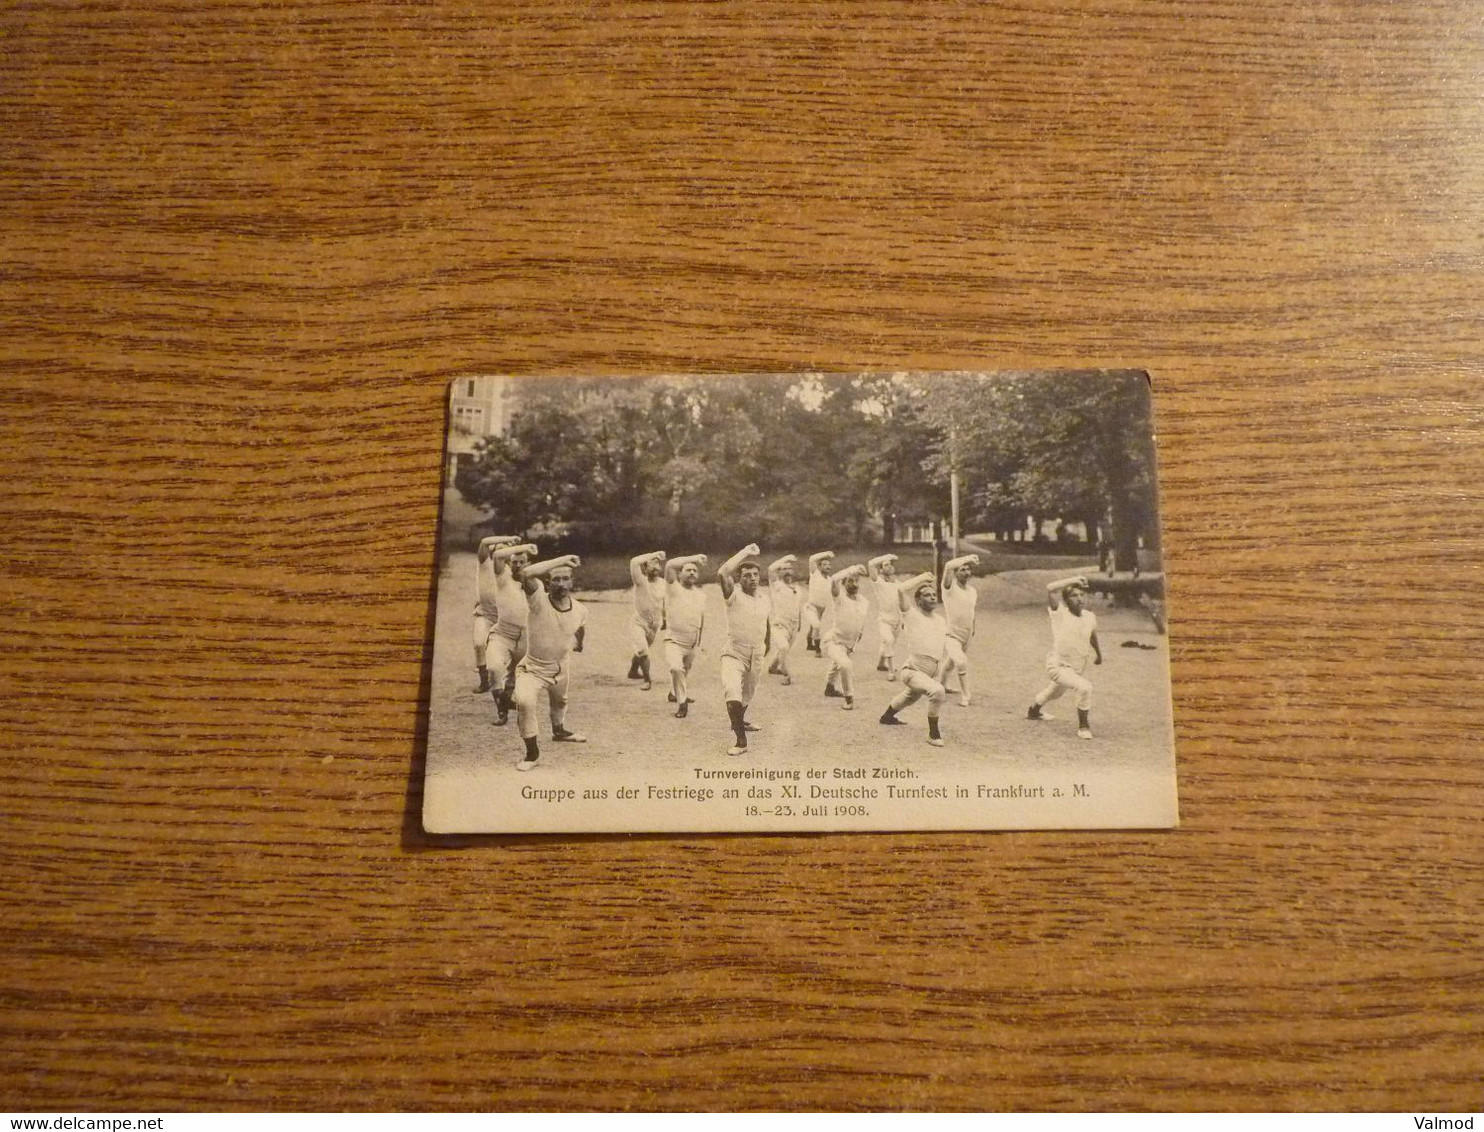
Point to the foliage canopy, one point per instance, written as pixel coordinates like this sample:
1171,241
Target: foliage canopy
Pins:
820,459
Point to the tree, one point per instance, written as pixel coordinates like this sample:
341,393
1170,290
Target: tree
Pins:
892,459
816,457
536,475
1070,445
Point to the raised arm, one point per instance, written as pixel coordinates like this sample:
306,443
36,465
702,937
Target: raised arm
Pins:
725,571
849,572
636,565
673,565
531,576
816,559
492,542
953,564
1054,589
873,567
909,587
501,554
777,566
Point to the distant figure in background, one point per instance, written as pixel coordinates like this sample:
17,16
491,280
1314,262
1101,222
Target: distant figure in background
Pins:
783,621
555,627
486,605
883,572
648,574
1074,639
685,618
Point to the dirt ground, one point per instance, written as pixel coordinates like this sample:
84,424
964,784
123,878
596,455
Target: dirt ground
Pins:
1007,766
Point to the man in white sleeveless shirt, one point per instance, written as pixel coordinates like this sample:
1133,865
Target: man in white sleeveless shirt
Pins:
923,640
844,633
647,572
820,566
747,640
1074,641
961,604
555,627
508,641
783,621
883,571
685,618
486,607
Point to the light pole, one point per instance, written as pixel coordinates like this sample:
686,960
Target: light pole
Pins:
953,487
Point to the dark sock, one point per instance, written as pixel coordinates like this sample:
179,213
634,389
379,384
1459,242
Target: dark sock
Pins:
1083,720
890,716
644,668
933,732
735,712
533,748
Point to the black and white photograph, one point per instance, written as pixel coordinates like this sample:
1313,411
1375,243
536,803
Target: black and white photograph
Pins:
800,602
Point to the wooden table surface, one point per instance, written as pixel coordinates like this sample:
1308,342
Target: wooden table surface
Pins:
246,245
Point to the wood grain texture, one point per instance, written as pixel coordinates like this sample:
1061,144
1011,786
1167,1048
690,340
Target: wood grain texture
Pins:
245,245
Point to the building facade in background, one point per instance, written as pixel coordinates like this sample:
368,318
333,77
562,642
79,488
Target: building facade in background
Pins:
477,407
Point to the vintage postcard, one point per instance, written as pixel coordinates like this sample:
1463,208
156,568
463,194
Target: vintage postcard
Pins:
800,602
